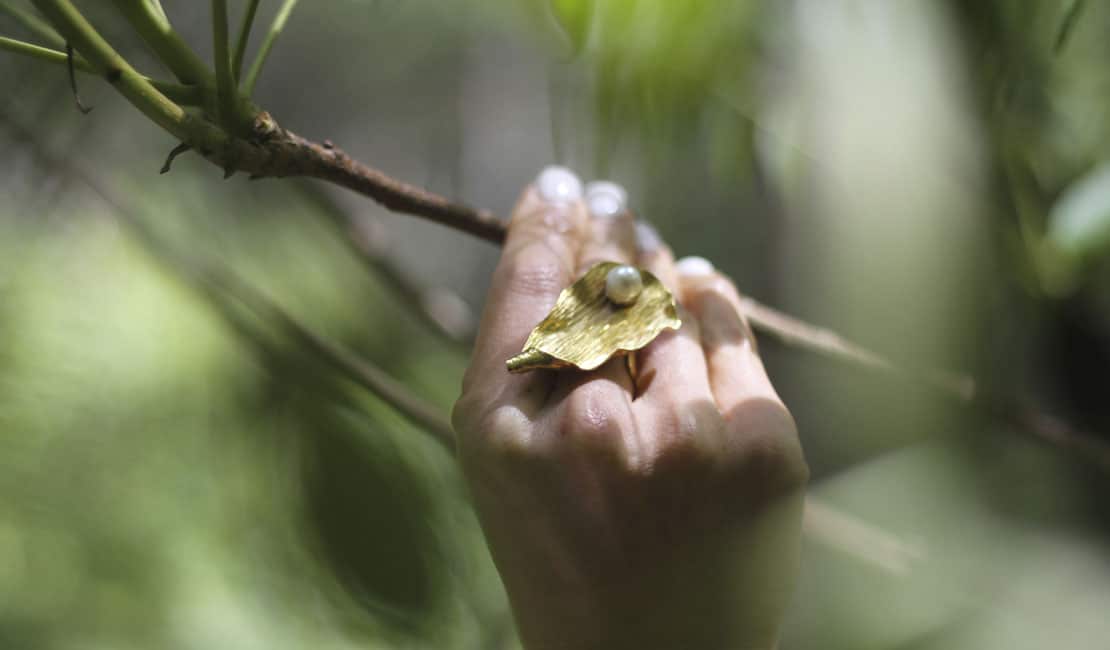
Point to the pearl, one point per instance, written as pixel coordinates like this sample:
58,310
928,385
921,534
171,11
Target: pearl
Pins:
623,285
605,199
557,184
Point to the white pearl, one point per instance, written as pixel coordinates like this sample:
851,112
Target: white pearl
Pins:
623,285
694,266
605,199
557,184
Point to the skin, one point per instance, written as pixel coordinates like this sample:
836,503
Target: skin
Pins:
661,514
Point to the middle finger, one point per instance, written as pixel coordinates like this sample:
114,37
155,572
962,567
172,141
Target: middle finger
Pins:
610,237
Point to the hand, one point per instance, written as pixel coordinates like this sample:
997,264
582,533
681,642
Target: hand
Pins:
660,513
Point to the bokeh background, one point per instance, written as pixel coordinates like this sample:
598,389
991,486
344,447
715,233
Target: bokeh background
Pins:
926,178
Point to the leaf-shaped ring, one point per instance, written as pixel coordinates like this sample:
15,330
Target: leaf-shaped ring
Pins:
588,325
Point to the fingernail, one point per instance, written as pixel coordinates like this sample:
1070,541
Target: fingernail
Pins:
694,266
605,199
557,184
647,238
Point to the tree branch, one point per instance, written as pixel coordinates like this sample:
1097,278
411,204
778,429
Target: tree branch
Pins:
374,379
441,311
797,333
822,522
272,151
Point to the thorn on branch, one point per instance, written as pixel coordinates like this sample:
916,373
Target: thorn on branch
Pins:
85,110
174,153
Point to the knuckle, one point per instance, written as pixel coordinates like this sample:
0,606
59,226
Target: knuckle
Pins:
588,413
684,442
500,432
594,425
692,440
771,453
508,433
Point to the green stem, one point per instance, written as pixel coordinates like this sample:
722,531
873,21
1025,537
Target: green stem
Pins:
166,43
225,80
184,95
106,61
178,93
43,53
267,44
156,8
202,135
244,38
33,24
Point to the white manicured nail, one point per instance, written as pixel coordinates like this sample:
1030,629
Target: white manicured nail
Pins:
557,184
694,266
605,199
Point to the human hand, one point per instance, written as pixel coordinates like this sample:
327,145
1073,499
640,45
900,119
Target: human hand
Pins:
657,513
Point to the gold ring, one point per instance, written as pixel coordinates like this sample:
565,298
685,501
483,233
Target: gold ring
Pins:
613,309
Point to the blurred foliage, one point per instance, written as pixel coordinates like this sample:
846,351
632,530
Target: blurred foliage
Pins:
929,178
655,66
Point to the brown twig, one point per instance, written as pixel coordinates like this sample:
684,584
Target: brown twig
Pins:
798,333
277,152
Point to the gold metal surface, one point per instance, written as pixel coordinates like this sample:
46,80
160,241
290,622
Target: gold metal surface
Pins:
585,328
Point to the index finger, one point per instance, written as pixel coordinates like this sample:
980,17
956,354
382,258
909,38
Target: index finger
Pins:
537,263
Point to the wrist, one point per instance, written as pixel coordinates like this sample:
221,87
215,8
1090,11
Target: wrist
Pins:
691,602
